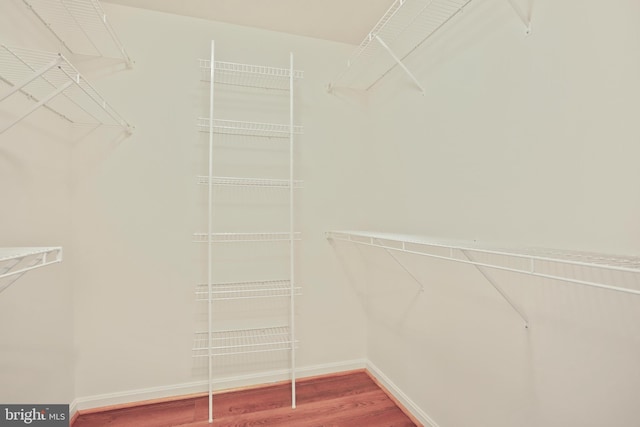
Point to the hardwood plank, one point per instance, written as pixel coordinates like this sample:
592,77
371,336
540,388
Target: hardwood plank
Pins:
413,419
279,395
154,415
327,412
348,400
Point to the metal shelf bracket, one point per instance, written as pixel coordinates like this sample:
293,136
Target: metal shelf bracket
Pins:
524,17
492,282
400,63
395,258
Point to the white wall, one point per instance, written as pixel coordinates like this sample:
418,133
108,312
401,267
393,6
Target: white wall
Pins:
36,325
36,315
138,203
119,314
525,140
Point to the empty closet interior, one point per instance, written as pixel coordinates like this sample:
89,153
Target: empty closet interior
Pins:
441,192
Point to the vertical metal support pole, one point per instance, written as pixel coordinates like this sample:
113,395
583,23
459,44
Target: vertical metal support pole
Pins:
291,238
209,231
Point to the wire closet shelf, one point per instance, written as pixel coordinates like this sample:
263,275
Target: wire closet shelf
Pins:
253,129
16,261
236,79
244,341
246,75
245,237
50,81
81,26
582,268
247,290
405,26
224,181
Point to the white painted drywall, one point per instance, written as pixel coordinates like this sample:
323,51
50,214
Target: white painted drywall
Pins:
525,140
118,316
36,311
138,203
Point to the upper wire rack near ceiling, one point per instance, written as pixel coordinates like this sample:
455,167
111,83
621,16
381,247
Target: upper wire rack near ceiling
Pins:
81,26
50,81
246,75
401,30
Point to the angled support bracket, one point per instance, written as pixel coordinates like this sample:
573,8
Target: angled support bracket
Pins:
35,75
415,279
36,106
404,67
524,17
496,287
10,280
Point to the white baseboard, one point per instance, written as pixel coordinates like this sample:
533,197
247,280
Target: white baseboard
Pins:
140,395
409,404
131,396
73,408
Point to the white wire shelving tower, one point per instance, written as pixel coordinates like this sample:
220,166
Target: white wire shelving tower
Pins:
215,343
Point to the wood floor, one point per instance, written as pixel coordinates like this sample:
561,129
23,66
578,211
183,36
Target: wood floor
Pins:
351,399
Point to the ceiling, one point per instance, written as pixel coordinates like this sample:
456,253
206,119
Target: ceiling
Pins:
346,21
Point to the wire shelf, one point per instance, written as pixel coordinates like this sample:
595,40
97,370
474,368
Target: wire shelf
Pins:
15,262
81,26
246,75
246,290
248,182
50,81
227,343
258,129
405,26
244,237
568,266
